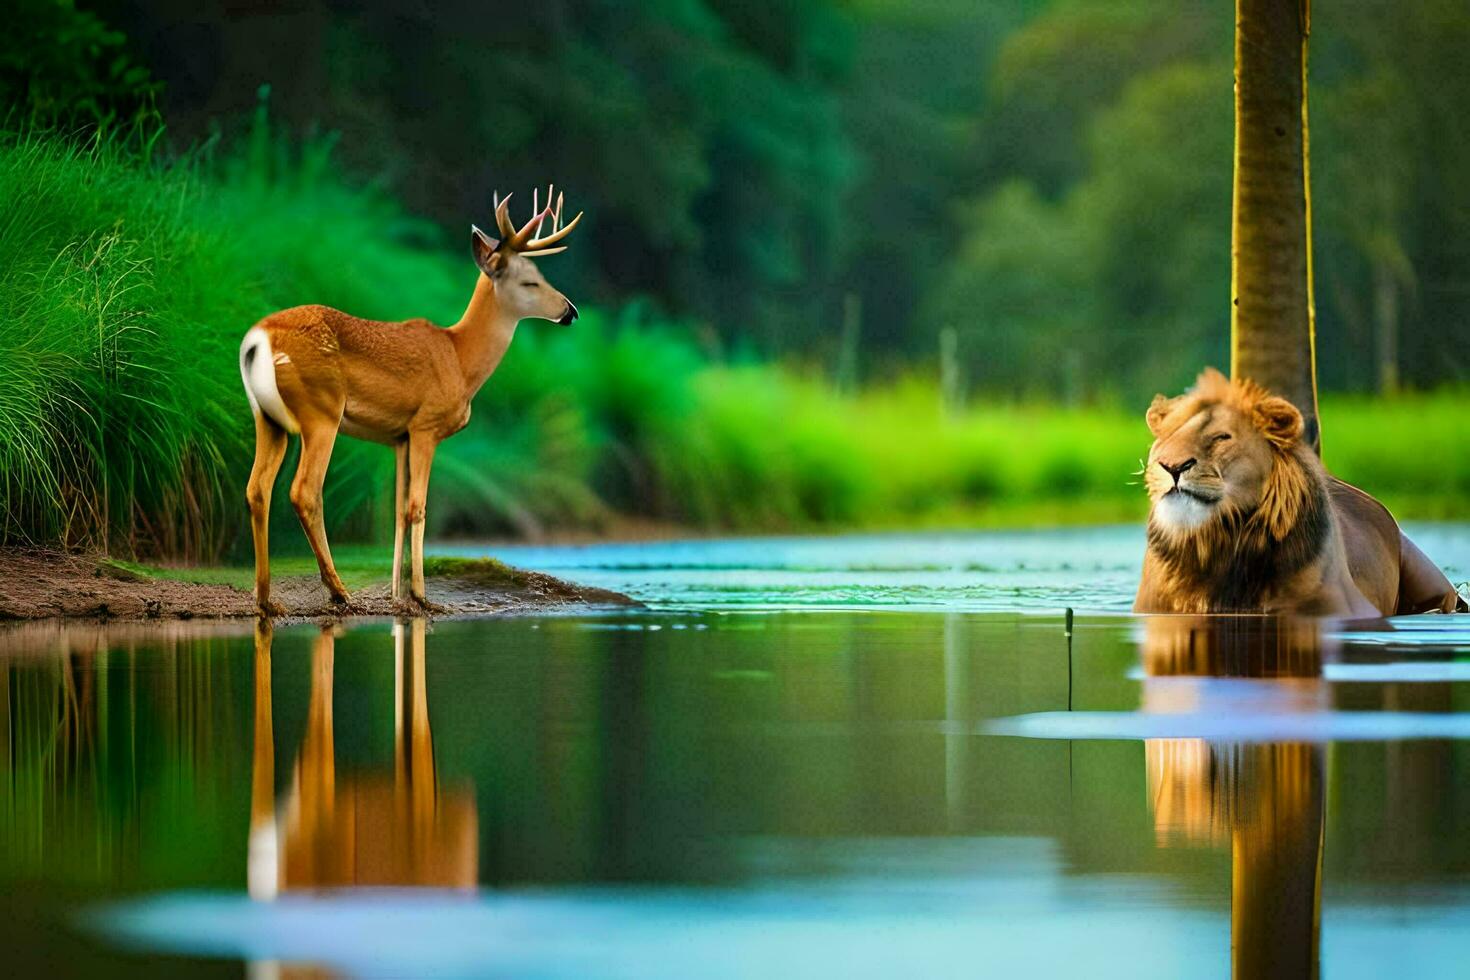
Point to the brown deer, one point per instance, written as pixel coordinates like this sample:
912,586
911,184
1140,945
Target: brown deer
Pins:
317,371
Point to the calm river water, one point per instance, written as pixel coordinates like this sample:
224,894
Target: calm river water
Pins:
848,757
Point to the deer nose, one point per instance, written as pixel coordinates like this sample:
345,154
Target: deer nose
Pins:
1176,470
569,315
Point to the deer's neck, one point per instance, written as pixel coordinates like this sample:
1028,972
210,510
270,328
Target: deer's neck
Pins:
482,335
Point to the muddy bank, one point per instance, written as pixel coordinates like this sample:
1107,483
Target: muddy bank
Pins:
41,584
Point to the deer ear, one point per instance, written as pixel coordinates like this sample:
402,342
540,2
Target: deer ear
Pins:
1158,411
1278,420
485,250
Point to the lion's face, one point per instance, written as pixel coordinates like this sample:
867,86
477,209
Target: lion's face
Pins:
1214,451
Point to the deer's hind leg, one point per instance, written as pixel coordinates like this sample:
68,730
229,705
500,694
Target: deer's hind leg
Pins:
317,438
270,450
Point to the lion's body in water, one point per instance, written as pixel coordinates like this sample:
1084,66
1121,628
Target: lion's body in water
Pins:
1245,518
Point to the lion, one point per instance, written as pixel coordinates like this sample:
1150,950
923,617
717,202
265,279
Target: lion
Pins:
1245,518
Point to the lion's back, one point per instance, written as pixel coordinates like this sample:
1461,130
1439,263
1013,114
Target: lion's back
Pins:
1370,536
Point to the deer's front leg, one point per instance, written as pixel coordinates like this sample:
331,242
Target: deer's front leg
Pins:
421,448
400,478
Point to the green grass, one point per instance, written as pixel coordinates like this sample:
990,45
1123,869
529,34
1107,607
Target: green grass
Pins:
481,571
126,283
125,286
1407,451
358,565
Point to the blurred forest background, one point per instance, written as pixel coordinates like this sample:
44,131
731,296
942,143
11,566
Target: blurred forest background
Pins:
875,261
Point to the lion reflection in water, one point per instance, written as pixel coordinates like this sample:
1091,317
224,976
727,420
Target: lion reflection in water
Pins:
1266,800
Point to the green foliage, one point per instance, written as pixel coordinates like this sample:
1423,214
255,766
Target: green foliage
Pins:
1049,178
1019,290
1098,227
763,448
704,135
1061,69
1157,211
63,66
1064,296
359,566
124,288
97,329
1401,450
489,572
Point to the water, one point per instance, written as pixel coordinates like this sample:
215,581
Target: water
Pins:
835,763
1090,569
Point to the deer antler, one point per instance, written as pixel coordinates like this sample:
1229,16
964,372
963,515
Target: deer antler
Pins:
502,217
518,241
521,240
542,246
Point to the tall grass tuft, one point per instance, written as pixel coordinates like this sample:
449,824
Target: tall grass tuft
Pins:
125,285
105,437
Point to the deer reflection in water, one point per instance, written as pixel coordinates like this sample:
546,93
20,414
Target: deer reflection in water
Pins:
1267,800
356,829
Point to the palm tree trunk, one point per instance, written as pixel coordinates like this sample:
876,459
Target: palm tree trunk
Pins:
1272,319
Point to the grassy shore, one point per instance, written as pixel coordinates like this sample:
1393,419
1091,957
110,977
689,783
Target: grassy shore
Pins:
360,567
126,283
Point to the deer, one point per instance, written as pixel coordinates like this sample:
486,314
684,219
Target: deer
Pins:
315,372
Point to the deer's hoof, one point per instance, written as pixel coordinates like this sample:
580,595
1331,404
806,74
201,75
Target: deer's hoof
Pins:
344,606
423,603
269,608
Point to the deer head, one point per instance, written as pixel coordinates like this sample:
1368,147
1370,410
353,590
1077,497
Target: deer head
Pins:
519,286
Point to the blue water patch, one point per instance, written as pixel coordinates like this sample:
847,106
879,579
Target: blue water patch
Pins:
1322,726
1117,926
1092,569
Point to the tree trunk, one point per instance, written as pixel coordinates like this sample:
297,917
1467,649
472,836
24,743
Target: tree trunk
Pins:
1272,318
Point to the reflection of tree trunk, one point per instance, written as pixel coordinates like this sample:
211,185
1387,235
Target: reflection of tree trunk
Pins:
1272,327
1276,866
1386,326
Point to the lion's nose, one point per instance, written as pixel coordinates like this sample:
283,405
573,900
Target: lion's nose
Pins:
1176,470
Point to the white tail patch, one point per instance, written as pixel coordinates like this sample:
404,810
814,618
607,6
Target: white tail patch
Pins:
258,372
